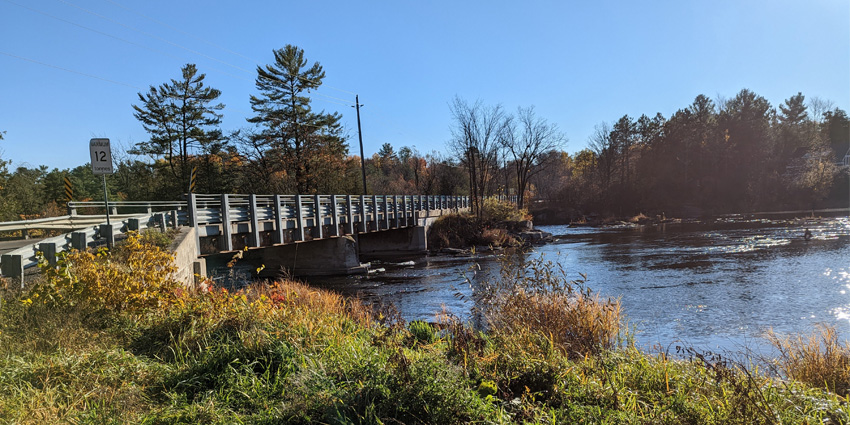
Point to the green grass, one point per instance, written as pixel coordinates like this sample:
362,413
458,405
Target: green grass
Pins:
291,354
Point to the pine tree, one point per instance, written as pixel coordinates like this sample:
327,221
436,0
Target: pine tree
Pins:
309,144
181,119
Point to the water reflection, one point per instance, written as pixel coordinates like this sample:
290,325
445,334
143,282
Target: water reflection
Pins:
715,286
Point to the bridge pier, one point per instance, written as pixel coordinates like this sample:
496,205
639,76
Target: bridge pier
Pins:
320,257
406,240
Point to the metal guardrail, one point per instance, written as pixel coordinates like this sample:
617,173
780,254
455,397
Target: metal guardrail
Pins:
13,263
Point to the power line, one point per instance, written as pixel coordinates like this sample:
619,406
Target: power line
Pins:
153,36
69,70
90,29
205,41
173,28
106,18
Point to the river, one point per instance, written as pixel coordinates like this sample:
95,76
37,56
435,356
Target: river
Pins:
715,286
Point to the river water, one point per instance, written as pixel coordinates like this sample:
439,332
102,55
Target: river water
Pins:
715,286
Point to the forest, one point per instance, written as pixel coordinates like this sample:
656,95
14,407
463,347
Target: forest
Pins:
723,155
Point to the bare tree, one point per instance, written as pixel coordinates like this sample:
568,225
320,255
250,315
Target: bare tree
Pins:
817,107
475,141
606,154
527,139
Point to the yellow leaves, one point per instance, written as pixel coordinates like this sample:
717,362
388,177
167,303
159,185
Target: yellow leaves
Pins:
132,276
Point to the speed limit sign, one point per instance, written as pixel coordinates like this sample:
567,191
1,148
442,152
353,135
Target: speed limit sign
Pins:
101,157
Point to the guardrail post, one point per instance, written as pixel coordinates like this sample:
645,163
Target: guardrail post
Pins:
226,231
174,223
48,250
317,216
299,217
334,217
278,220
255,223
107,232
72,209
79,240
12,266
160,221
349,209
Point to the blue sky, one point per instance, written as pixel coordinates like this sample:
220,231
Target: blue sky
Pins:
71,68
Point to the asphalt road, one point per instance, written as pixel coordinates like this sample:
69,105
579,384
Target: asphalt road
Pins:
6,246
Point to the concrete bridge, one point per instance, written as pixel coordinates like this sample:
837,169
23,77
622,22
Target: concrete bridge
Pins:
300,235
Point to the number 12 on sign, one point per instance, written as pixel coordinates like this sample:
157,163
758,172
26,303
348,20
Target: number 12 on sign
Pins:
101,156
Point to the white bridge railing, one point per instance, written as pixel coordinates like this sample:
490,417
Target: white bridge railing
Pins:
260,219
295,218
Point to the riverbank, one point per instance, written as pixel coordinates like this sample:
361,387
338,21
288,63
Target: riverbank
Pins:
72,350
499,225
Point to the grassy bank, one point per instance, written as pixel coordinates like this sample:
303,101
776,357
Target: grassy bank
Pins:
79,349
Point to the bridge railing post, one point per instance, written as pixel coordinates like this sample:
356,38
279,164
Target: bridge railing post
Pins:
363,224
226,231
278,220
334,217
255,222
386,212
375,224
317,216
299,218
395,212
349,210
404,210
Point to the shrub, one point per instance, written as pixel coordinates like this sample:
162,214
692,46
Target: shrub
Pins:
535,300
818,360
422,332
495,211
137,276
454,230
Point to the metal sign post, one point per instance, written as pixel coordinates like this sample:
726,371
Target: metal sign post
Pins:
101,164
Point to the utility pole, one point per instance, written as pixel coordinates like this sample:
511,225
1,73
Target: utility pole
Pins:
357,106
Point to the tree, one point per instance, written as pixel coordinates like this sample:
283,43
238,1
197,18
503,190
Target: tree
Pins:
475,142
180,118
528,138
310,144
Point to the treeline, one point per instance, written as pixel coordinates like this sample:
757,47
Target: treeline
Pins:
730,155
734,155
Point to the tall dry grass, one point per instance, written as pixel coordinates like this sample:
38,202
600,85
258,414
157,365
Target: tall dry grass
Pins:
535,299
818,359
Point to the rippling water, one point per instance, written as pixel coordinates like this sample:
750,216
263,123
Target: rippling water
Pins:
717,286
